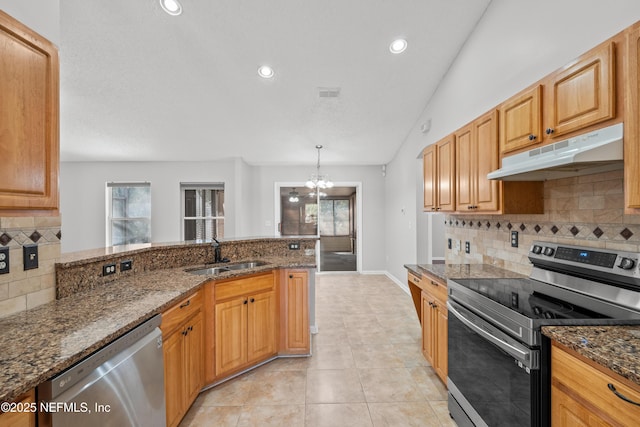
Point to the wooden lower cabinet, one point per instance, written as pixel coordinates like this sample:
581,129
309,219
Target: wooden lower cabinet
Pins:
183,343
581,393
245,324
434,327
294,315
22,418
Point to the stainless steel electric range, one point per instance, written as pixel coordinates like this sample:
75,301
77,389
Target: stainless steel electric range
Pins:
499,373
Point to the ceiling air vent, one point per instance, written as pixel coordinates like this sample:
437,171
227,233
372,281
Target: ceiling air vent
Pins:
328,92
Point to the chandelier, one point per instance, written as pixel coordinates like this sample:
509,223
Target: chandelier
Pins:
294,196
317,180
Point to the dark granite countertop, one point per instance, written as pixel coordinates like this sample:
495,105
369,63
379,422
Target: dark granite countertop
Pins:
40,343
462,271
614,347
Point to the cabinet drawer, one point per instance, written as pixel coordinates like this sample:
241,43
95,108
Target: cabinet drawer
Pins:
436,287
590,387
244,286
180,312
415,280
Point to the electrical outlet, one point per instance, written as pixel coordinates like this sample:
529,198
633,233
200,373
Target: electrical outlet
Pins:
458,243
126,265
30,256
4,260
514,239
449,244
294,246
467,248
108,269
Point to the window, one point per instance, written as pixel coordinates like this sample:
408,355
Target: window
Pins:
203,211
335,217
128,213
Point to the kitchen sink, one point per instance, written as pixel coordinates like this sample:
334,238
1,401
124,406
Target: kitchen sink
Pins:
221,269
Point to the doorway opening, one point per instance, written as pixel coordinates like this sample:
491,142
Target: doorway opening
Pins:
333,216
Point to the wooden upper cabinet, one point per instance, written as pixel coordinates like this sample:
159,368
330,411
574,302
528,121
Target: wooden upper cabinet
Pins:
583,94
439,176
465,168
521,120
29,120
632,120
485,132
476,156
430,178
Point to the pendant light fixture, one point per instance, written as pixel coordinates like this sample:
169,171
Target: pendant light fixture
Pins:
294,196
318,180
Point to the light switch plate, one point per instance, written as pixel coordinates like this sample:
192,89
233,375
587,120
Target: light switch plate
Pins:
30,256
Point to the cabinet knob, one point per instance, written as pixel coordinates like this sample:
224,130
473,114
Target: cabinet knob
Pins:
245,301
532,137
291,276
184,332
253,299
549,131
469,207
190,328
430,303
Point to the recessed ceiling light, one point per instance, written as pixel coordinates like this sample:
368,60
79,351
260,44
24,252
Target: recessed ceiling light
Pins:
398,46
265,72
172,7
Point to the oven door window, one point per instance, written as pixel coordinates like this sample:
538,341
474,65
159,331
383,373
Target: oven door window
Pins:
499,390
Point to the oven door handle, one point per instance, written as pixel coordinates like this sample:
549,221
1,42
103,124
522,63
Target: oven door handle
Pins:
522,355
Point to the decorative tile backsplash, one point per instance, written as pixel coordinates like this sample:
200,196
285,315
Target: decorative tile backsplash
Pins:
20,289
586,211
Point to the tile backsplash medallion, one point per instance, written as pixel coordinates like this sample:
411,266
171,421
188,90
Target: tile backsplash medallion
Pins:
586,210
20,289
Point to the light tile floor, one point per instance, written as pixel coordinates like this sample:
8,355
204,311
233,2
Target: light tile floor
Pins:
366,370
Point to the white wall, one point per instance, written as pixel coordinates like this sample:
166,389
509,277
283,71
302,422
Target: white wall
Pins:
249,199
516,43
82,197
42,16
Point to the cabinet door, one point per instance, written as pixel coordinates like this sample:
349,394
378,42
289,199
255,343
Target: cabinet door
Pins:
566,411
194,356
521,120
632,122
427,328
261,329
584,94
429,167
441,366
29,128
296,316
446,161
485,133
465,169
173,350
231,335
20,419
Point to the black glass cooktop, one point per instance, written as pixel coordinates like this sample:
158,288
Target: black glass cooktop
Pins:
526,296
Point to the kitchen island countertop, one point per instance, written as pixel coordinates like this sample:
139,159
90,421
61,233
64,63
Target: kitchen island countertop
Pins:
37,344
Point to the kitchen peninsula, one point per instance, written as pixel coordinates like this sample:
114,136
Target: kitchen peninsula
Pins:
92,309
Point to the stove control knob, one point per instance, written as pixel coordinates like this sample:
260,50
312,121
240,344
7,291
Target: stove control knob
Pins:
548,251
627,264
536,249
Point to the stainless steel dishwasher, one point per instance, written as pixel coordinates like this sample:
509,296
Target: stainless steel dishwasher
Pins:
121,384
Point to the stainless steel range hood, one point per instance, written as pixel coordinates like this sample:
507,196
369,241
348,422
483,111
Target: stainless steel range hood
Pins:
593,152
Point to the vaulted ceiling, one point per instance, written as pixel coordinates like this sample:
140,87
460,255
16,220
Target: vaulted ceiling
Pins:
138,84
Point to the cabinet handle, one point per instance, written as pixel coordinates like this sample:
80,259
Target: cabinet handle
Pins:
253,299
186,304
190,328
549,131
532,137
184,332
621,396
434,283
431,303
438,209
469,207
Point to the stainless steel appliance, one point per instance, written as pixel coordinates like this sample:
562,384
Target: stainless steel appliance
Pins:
499,372
121,384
